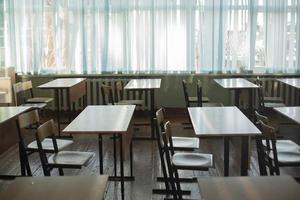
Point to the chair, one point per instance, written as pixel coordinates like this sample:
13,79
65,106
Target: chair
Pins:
200,101
273,158
266,97
119,96
19,89
179,143
107,95
282,144
191,99
25,124
59,159
181,161
267,102
27,85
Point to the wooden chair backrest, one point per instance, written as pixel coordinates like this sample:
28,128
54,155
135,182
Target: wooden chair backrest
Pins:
29,118
160,125
261,117
267,131
167,136
45,130
107,94
119,90
17,88
27,85
160,116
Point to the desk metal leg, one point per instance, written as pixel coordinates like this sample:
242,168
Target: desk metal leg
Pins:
244,155
69,106
226,156
115,155
121,167
131,160
100,143
152,114
57,109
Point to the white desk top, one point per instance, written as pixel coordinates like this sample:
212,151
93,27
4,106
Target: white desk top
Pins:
221,121
7,113
56,188
235,83
295,82
61,83
136,84
250,188
102,119
292,113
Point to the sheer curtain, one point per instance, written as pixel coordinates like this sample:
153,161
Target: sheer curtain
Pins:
93,36
282,35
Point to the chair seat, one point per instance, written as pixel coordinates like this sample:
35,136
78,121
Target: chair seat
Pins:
185,142
274,105
212,105
131,102
284,145
35,105
39,100
273,99
192,160
70,158
195,99
288,157
48,144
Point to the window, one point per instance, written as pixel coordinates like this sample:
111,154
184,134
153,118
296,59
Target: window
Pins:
201,36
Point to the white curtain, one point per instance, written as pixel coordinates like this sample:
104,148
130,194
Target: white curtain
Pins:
93,36
282,35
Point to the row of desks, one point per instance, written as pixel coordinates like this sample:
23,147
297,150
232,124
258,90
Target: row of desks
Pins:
76,88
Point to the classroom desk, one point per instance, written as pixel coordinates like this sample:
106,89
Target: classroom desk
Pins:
237,84
249,188
75,87
293,82
293,113
56,188
224,122
146,85
109,119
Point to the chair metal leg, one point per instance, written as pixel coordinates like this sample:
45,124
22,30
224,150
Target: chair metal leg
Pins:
25,167
178,187
100,153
